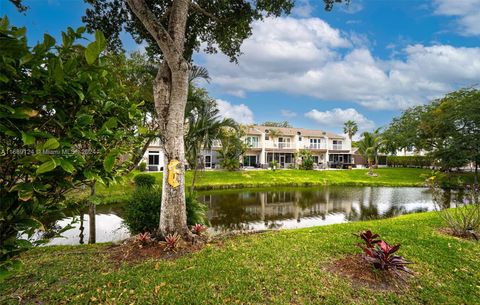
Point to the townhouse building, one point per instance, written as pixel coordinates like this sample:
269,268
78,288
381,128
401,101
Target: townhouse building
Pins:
265,144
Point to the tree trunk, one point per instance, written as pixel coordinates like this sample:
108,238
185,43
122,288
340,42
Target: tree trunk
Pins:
173,215
170,96
82,228
91,218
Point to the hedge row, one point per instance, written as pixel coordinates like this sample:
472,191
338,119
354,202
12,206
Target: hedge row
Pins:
409,161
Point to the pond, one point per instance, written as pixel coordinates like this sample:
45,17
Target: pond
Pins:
286,208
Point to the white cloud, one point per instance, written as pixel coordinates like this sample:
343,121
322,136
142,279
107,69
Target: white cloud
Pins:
303,8
467,12
336,117
309,57
240,113
288,113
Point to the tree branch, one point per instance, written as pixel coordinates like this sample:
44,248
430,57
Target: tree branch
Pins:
202,11
154,27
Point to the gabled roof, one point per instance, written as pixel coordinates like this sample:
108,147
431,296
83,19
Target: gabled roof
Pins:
287,131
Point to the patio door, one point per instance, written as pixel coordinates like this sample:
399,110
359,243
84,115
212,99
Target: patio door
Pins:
282,160
208,161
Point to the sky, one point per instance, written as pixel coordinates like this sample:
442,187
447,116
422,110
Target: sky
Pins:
366,62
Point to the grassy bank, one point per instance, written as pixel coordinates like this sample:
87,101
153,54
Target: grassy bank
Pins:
284,267
210,180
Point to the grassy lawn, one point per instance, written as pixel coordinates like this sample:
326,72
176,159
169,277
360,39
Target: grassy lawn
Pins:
283,267
208,180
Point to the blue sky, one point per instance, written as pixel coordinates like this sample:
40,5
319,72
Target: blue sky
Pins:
366,62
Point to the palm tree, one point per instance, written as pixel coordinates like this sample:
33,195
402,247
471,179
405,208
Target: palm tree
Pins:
350,128
273,134
204,125
369,146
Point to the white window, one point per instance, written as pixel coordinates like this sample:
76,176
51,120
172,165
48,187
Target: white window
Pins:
315,143
252,142
337,144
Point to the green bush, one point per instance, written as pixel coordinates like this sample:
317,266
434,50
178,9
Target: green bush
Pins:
409,161
196,211
142,211
145,180
142,166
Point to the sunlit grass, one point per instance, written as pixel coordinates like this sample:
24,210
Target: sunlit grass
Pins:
284,267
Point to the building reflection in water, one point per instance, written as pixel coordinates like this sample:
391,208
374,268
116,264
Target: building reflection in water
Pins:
304,207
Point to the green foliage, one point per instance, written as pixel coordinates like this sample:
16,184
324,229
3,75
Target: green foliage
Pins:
204,124
142,166
369,146
307,159
144,180
232,148
459,209
142,211
196,211
64,121
409,161
350,128
447,128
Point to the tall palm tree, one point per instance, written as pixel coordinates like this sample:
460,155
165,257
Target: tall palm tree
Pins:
350,128
204,125
369,145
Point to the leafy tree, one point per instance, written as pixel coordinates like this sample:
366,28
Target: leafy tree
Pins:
369,146
350,128
173,30
277,124
447,128
61,112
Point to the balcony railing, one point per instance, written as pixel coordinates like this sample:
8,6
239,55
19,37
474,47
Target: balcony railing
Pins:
252,144
316,146
337,147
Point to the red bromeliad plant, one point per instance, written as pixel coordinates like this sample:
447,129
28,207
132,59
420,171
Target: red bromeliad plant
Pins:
369,238
381,255
171,242
198,229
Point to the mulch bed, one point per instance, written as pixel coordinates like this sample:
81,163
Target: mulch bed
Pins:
131,251
450,232
362,274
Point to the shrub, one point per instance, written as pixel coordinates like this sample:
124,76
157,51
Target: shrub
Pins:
380,254
307,159
145,180
142,211
409,161
171,242
142,166
196,211
459,209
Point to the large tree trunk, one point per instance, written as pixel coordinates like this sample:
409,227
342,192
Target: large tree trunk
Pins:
170,95
173,216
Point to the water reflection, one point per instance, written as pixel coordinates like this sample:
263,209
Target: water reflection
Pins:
304,207
107,226
265,209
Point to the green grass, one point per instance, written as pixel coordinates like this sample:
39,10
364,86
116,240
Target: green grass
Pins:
210,180
284,267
